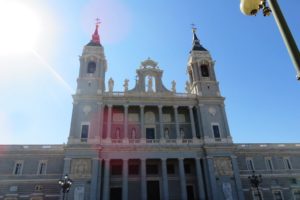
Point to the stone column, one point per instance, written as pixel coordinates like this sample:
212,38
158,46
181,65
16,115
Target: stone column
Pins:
143,180
109,119
142,121
237,178
100,122
161,126
165,178
96,125
176,122
67,166
94,179
192,122
125,123
228,136
182,179
106,186
125,180
199,176
99,186
212,178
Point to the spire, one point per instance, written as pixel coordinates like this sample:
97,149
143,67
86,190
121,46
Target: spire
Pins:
196,42
95,37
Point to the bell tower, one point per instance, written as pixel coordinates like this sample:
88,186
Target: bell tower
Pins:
203,83
90,89
201,71
92,67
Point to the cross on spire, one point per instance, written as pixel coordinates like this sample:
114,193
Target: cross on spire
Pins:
95,36
194,28
97,21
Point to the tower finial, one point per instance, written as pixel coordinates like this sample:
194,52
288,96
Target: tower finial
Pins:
196,42
194,29
95,36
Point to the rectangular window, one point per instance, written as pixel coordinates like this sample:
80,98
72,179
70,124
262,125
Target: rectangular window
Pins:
216,131
297,195
42,168
249,164
116,169
150,133
269,164
84,132
277,195
170,169
134,169
287,163
152,169
187,169
18,168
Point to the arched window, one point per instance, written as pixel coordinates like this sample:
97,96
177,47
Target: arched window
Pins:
204,71
91,68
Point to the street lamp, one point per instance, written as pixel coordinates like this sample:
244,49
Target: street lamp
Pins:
255,181
65,185
251,7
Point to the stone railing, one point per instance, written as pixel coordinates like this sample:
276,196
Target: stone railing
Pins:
267,146
271,172
152,141
31,147
145,94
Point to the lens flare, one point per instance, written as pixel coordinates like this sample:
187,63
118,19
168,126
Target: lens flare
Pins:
20,28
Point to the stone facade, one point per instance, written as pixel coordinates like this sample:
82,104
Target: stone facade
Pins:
149,142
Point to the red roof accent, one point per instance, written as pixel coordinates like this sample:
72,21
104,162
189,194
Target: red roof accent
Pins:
95,36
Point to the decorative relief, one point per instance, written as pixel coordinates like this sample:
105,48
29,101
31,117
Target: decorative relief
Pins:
149,63
133,117
81,168
212,111
87,109
118,117
167,118
223,166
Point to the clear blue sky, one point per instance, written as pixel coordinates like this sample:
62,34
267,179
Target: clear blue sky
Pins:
252,64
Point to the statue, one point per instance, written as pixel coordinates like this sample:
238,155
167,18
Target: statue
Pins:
118,133
126,85
187,87
110,85
174,86
150,89
181,133
166,133
133,133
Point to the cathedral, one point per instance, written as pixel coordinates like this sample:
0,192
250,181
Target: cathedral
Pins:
149,142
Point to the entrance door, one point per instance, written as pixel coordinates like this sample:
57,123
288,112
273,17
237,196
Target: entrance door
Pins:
190,192
116,193
150,133
153,190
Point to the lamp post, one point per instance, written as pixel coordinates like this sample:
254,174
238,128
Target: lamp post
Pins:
255,181
65,185
250,7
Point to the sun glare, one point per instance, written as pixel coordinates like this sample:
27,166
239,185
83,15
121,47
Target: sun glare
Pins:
20,28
